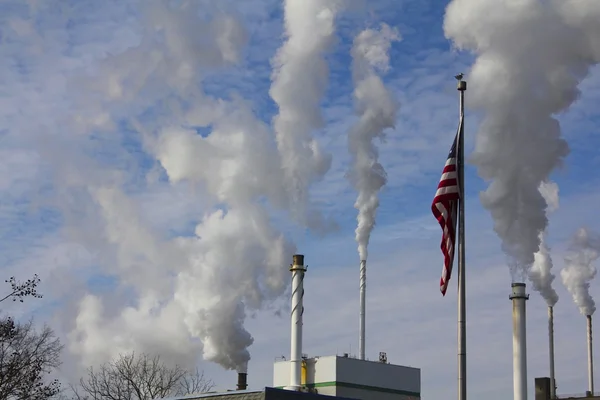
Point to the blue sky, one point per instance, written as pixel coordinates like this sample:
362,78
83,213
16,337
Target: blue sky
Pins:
87,203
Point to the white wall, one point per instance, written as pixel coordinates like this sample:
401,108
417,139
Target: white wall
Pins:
353,372
369,373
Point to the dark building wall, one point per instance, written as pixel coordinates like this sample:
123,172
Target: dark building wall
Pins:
267,394
280,394
542,388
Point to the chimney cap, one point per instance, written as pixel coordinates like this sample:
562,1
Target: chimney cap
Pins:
298,259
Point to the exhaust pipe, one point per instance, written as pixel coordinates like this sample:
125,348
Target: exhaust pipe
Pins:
518,298
590,356
242,382
297,268
551,345
363,288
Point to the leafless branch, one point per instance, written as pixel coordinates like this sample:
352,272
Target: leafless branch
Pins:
25,357
22,289
194,382
133,377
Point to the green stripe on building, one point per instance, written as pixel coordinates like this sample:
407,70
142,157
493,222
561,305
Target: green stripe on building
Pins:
357,386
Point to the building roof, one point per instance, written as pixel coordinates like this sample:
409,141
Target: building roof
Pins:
266,394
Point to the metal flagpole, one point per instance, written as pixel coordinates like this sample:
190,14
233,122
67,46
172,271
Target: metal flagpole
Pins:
462,317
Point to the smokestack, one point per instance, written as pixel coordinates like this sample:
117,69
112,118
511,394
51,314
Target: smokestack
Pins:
242,381
518,298
590,356
551,344
363,289
297,268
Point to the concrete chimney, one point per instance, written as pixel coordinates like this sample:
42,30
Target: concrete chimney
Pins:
363,307
551,348
297,268
590,356
519,316
242,383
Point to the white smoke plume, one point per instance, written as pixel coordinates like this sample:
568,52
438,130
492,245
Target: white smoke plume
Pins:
191,293
519,85
376,109
541,275
579,269
299,80
549,191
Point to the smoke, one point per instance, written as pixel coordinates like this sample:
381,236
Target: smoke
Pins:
377,110
541,275
189,293
236,259
300,77
579,271
519,85
549,191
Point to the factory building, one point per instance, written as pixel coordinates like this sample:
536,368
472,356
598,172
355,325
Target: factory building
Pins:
330,377
266,394
542,392
343,376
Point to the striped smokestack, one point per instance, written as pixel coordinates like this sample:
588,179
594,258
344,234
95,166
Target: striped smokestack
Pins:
297,268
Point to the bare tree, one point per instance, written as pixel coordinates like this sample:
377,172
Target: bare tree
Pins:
26,356
22,289
194,382
132,377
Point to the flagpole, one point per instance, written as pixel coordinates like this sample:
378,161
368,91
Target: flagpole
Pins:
462,317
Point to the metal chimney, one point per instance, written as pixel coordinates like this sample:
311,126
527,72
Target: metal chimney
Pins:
590,356
519,297
242,383
363,288
551,348
297,268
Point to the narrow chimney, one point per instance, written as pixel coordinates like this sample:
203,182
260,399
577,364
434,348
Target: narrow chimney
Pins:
551,348
297,268
242,383
363,288
590,356
518,298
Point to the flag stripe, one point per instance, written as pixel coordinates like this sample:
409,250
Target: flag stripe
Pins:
444,209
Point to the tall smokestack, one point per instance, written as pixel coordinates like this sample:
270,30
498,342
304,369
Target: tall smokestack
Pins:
518,298
551,344
297,268
363,309
242,381
590,356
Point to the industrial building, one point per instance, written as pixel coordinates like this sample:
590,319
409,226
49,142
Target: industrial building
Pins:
266,394
331,377
343,376
328,377
543,392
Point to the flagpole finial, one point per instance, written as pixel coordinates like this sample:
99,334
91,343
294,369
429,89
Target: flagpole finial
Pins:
461,85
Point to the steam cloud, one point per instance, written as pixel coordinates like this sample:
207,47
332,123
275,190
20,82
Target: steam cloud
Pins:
300,75
520,85
541,275
193,292
377,110
579,269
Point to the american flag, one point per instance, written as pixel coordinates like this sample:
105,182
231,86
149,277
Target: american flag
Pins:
445,210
